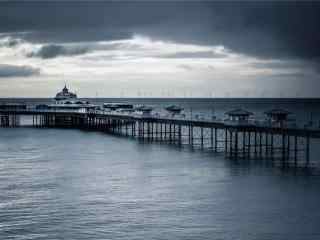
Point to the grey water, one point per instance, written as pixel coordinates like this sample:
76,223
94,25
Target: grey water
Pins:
72,184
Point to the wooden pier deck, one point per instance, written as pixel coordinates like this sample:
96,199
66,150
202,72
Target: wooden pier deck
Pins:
237,140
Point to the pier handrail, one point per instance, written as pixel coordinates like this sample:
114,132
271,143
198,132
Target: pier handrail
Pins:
261,125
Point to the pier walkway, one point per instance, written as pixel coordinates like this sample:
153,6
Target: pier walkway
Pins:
289,145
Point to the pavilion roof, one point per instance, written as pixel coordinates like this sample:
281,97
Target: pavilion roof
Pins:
277,111
239,112
144,108
174,108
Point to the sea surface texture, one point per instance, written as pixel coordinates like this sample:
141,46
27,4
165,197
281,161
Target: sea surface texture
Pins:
73,184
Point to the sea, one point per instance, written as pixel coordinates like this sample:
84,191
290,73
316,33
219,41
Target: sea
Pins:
72,184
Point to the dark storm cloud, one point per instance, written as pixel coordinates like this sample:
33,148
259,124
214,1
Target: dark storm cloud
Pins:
9,42
306,65
7,70
74,35
263,29
52,51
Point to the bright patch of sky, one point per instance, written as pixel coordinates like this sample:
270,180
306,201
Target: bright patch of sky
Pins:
143,67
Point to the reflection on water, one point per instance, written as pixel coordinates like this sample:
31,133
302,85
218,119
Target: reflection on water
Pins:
70,184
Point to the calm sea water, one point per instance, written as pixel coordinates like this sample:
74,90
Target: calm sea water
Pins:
72,184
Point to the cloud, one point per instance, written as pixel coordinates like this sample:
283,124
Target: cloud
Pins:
198,54
7,70
186,67
61,36
9,41
145,62
262,28
290,66
52,51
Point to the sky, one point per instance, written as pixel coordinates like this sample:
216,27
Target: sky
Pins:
160,48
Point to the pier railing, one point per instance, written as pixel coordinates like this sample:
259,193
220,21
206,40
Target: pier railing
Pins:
237,139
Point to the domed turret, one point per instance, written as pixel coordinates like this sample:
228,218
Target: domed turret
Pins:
65,94
65,89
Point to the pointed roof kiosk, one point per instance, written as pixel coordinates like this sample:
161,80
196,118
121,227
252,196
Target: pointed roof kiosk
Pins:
277,116
174,110
239,115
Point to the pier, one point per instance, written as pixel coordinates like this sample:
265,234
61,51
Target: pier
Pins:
237,139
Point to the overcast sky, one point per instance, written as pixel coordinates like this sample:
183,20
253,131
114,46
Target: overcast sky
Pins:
160,49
